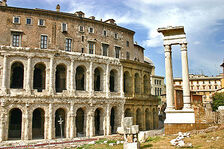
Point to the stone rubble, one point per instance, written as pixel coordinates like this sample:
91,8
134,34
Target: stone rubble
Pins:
179,142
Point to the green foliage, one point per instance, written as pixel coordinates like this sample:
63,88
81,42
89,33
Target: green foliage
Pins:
218,100
153,139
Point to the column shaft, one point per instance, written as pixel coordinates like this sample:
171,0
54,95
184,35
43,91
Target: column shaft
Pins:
51,89
72,121
108,127
107,81
91,78
2,125
50,126
122,81
185,77
169,78
4,74
28,76
72,85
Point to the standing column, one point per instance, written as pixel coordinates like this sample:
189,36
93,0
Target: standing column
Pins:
108,127
4,87
107,81
50,125
28,76
185,77
51,89
25,131
90,122
122,81
72,121
169,78
91,78
72,87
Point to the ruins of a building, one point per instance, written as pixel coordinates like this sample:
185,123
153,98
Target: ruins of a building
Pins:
62,66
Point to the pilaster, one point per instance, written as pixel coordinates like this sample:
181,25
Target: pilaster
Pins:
50,125
51,88
4,75
121,81
91,78
108,127
72,79
28,75
107,81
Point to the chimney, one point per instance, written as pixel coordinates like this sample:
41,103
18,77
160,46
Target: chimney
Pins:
58,8
92,17
4,3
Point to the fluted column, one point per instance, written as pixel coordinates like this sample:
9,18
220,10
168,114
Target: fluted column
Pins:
4,74
72,86
28,75
50,125
91,78
169,78
185,77
51,88
122,81
107,81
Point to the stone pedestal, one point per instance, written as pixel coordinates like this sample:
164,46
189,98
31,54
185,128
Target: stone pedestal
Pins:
134,145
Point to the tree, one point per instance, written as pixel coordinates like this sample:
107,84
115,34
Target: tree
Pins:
218,100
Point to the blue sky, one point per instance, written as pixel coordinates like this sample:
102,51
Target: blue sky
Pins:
203,21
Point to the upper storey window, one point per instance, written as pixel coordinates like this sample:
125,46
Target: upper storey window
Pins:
117,52
16,39
127,55
41,22
64,27
116,35
127,43
16,20
105,49
105,33
43,43
91,47
28,21
68,45
81,28
91,30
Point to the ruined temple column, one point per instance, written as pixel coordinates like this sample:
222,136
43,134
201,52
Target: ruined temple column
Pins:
4,74
51,89
169,78
185,77
28,75
50,122
91,78
72,86
121,81
107,81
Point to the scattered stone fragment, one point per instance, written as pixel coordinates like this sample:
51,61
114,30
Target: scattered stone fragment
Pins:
92,142
105,142
111,144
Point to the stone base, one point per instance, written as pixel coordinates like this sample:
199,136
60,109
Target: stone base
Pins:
175,128
134,145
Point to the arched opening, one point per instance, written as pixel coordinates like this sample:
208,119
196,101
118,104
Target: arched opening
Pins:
15,124
79,121
154,119
147,119
80,78
60,81
146,83
39,77
98,118
38,124
127,113
112,120
60,123
137,83
17,75
127,83
139,119
98,80
113,81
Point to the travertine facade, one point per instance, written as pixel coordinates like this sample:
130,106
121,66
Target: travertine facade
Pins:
59,65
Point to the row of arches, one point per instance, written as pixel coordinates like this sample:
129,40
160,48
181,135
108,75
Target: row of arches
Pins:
38,122
39,77
150,118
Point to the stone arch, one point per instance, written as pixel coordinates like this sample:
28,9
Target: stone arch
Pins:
137,83
146,84
128,113
38,121
99,121
15,124
127,83
139,118
147,119
154,118
113,81
60,78
98,79
17,75
39,76
80,78
60,115
80,122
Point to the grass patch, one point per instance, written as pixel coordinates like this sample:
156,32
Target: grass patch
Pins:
153,139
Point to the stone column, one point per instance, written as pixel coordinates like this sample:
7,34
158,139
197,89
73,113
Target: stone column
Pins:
50,125
2,123
185,77
72,85
90,122
51,88
108,127
107,81
28,75
72,121
25,132
91,78
122,81
169,78
4,75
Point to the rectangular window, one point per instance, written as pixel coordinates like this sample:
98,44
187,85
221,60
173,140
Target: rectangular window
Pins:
105,33
81,28
15,40
105,49
116,36
91,47
43,43
28,21
117,52
127,55
82,50
41,22
155,81
127,43
91,30
83,38
16,20
64,27
68,45
155,91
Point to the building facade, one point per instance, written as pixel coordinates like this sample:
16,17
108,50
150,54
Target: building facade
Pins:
57,66
202,85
